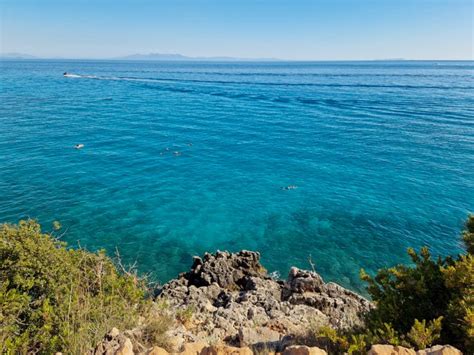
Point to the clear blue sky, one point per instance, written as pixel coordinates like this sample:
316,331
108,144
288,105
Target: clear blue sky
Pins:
291,29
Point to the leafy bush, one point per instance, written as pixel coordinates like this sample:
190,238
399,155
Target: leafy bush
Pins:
358,344
430,290
422,335
57,299
468,235
330,340
385,335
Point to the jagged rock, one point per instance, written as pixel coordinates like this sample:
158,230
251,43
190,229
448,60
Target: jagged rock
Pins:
390,350
226,269
231,292
301,281
440,350
303,350
114,343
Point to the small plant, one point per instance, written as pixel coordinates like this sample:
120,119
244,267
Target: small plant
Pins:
331,340
154,331
185,315
358,344
422,335
386,335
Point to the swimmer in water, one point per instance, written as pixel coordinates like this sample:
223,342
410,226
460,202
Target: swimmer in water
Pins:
79,146
289,187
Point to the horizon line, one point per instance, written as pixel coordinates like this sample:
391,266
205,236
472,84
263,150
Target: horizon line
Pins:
236,59
156,56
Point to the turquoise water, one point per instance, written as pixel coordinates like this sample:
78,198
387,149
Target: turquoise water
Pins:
382,154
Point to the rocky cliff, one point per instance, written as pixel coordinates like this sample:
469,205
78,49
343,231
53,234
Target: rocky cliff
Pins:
234,300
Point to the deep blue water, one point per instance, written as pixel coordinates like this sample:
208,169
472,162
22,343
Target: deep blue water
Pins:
382,154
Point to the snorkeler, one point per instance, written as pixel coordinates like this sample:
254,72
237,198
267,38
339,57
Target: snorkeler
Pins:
289,187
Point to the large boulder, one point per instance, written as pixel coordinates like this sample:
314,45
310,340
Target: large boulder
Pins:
303,350
380,349
440,350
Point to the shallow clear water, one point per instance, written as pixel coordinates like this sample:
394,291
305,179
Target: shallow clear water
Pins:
382,154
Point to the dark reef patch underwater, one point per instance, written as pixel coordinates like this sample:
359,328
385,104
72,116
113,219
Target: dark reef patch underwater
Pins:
382,154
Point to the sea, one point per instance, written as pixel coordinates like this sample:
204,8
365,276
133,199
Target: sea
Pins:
333,165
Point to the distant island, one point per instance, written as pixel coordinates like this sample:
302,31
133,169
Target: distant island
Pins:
149,56
17,56
180,57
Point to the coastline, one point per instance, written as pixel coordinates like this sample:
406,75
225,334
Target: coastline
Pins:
55,299
227,304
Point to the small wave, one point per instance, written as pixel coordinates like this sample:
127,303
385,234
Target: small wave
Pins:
84,76
277,84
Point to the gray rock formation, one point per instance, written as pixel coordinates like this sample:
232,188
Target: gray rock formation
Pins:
236,301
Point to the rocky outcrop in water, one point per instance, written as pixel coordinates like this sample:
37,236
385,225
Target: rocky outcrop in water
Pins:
233,299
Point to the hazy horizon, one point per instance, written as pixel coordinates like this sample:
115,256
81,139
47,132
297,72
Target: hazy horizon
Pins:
225,58
301,30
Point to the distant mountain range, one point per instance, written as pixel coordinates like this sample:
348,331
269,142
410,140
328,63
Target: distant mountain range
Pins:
150,56
161,56
17,56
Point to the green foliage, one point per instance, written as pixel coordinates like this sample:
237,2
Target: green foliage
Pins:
403,293
468,235
333,342
153,333
57,299
422,335
459,278
358,344
185,315
428,290
385,335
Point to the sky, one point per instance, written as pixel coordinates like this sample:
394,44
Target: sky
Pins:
285,29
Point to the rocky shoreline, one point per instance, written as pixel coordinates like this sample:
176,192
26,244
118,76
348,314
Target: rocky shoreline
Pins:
227,303
235,301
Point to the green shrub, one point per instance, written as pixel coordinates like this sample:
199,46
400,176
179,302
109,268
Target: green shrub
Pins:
57,299
358,344
385,335
154,331
428,290
332,341
468,235
422,335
